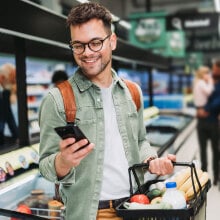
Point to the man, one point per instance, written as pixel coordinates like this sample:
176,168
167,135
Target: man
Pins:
7,77
208,125
95,179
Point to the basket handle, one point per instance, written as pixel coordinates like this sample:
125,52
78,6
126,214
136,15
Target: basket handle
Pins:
133,168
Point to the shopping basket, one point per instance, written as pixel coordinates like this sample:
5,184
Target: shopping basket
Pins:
196,208
37,214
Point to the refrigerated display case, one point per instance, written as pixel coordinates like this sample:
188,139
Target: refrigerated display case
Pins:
170,132
23,185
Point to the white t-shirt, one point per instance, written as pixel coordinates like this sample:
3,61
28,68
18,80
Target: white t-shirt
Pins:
115,182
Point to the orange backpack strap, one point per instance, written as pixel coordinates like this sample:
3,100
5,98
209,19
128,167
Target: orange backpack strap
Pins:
70,103
70,110
135,94
68,100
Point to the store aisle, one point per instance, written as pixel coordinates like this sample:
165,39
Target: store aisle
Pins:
213,196
213,204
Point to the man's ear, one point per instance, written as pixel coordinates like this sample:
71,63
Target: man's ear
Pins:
113,41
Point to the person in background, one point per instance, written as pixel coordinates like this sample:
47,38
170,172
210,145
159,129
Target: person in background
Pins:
203,86
2,120
94,180
8,97
209,125
11,132
59,76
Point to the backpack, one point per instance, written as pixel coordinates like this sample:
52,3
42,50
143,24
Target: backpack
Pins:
70,107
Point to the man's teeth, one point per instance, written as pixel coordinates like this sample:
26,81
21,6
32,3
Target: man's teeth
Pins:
90,61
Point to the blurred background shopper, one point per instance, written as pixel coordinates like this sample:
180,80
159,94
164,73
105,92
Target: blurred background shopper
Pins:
59,76
203,86
208,125
8,100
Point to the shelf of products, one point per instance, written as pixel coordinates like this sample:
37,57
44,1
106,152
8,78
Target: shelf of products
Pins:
39,75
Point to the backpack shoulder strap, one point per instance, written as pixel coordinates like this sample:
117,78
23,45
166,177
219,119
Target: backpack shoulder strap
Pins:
70,106
135,94
69,103
68,100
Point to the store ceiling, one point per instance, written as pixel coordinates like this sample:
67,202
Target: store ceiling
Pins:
186,8
39,39
197,40
122,8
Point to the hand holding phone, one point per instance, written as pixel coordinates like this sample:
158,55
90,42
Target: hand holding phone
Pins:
71,130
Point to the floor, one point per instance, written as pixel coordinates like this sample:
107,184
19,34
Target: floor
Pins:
213,196
213,204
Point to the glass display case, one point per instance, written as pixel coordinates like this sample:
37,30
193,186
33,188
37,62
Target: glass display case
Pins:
168,132
21,185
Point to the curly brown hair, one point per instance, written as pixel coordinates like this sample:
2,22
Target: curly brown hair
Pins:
86,11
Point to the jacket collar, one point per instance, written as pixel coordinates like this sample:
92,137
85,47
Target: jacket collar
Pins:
83,83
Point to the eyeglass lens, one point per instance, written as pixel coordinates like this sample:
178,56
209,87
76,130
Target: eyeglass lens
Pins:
94,45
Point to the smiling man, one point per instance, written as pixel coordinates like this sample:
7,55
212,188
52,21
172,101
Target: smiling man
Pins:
94,179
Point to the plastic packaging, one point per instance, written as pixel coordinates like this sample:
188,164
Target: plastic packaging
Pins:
173,196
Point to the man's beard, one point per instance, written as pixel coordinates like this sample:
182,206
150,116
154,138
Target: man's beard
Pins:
101,68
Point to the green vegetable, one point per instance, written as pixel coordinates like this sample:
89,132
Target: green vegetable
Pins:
154,193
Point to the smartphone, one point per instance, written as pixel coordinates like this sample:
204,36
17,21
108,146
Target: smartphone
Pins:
71,130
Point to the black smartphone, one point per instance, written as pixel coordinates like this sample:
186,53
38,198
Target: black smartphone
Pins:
71,130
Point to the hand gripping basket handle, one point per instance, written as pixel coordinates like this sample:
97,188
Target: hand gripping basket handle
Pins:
144,166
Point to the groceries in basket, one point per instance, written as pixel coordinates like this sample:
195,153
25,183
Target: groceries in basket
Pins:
174,193
173,196
135,205
170,198
192,183
140,198
184,177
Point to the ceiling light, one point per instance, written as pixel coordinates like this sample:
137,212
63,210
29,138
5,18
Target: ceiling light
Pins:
125,24
217,5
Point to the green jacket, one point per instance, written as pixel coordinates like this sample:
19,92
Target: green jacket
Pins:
80,189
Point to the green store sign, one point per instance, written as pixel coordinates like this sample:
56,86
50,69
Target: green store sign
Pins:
175,44
148,30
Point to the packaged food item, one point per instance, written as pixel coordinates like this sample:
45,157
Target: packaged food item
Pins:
173,196
54,207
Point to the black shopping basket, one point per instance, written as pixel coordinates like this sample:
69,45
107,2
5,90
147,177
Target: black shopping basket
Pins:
196,208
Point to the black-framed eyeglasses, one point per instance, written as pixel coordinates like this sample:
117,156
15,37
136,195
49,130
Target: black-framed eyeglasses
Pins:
94,45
